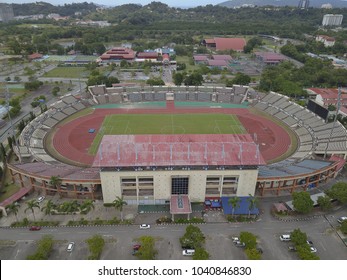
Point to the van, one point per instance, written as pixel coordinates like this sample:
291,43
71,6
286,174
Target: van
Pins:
188,252
285,237
70,246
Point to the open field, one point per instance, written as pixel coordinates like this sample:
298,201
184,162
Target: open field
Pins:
167,124
67,72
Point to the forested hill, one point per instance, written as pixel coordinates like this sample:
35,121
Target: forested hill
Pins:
47,8
292,3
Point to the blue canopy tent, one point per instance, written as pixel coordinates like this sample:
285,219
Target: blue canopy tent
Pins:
243,208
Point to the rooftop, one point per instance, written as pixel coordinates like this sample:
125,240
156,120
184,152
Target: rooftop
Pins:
178,150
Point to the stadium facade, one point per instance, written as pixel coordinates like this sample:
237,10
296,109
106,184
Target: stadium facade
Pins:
154,171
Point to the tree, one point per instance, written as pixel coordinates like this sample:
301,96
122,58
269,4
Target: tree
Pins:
147,250
235,203
302,202
240,79
44,248
343,227
178,78
252,204
32,204
253,254
298,237
249,239
47,209
324,202
304,252
13,208
3,154
193,238
195,79
95,245
338,191
55,181
201,254
87,205
119,203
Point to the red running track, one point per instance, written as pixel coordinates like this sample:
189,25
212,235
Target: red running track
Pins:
72,140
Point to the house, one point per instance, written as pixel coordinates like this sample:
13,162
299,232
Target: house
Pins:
328,96
326,40
214,63
149,56
200,58
224,44
270,58
166,59
35,56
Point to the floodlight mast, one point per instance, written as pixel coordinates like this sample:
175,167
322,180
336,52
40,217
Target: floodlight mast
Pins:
338,105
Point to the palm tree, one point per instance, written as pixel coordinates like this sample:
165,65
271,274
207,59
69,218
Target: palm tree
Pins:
48,207
32,204
235,203
13,208
118,204
252,203
55,181
71,207
87,205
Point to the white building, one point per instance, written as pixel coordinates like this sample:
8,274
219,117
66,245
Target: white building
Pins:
326,40
332,20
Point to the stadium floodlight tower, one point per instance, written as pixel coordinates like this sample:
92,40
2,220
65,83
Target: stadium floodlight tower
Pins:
338,105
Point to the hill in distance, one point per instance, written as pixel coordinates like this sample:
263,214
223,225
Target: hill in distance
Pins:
293,3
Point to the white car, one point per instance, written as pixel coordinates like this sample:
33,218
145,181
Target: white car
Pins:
313,249
188,252
40,199
70,246
235,239
341,219
145,226
285,237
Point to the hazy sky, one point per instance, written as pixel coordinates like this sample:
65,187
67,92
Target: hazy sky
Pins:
172,3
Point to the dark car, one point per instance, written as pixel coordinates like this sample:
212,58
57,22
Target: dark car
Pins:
35,228
260,250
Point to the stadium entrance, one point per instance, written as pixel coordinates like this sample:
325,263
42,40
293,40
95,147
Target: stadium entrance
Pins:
179,185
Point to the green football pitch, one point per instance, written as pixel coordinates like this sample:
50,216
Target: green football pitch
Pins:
167,124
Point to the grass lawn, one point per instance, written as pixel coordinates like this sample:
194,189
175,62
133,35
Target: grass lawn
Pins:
186,60
167,124
67,72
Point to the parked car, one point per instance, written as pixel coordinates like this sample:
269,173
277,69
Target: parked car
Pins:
145,226
313,249
292,248
70,246
309,242
188,252
136,247
35,228
239,244
40,199
235,239
341,219
285,237
260,250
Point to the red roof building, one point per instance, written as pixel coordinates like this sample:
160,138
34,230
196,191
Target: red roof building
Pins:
147,55
35,56
223,44
117,54
328,96
270,58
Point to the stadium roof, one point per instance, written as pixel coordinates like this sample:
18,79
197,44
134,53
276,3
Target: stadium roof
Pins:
64,171
178,150
288,168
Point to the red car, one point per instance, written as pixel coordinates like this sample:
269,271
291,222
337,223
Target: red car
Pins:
136,247
35,228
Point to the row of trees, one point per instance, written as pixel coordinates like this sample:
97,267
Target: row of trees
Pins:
193,238
303,203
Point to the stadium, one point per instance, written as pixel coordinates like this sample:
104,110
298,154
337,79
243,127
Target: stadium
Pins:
177,145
